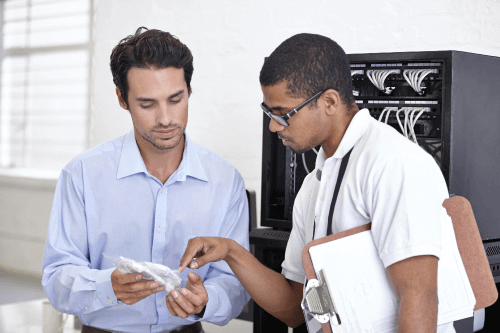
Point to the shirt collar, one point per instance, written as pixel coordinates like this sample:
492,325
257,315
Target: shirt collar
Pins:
131,161
191,157
355,130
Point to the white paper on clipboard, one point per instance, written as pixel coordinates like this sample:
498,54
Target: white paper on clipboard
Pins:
360,287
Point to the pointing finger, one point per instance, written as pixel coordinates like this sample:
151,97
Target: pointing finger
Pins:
194,246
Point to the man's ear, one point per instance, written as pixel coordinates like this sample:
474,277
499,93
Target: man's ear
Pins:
121,101
332,101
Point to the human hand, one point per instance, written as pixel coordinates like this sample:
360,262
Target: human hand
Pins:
190,300
130,289
205,250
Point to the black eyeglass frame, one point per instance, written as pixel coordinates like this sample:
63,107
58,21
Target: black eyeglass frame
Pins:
282,120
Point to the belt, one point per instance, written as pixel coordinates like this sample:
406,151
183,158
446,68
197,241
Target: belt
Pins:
193,328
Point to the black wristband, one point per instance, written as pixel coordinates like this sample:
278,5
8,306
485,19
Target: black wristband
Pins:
202,313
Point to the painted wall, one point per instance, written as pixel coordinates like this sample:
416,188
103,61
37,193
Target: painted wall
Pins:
229,40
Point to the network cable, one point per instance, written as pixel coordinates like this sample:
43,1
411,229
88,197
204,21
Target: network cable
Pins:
414,77
356,72
377,77
414,121
382,114
304,160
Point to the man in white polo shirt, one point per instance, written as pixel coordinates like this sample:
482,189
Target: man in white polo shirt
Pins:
388,181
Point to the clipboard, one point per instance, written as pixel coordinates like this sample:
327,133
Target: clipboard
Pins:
470,247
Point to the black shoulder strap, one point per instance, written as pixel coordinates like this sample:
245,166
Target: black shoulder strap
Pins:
340,177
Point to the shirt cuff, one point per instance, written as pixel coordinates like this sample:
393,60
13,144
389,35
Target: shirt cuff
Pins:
104,288
211,307
413,251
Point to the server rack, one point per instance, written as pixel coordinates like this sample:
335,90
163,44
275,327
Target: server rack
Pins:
459,128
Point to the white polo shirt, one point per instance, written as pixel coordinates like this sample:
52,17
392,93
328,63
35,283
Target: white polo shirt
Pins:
389,181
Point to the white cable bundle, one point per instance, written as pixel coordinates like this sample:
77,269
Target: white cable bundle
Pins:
388,110
414,77
410,121
150,271
357,71
377,77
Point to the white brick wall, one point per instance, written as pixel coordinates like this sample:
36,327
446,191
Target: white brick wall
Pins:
229,40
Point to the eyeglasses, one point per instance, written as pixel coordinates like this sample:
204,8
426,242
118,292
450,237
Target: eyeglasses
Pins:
282,120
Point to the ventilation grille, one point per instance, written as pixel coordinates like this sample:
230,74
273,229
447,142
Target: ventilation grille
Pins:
493,251
276,234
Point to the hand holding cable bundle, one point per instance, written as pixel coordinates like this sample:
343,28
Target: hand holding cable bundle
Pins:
133,281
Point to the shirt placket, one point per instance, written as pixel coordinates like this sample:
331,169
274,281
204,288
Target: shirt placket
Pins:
158,246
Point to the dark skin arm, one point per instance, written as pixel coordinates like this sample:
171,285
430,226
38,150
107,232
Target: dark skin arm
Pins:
269,289
415,282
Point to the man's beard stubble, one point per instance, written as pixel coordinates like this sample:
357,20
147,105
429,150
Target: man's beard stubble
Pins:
171,142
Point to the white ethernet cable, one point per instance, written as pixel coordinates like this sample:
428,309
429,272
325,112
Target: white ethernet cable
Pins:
382,113
304,160
422,110
411,126
407,110
355,72
399,121
389,112
304,163
377,77
410,121
414,77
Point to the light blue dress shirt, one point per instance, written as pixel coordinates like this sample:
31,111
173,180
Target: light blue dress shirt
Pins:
107,202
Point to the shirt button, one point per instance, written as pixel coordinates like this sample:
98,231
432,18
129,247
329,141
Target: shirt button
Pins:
160,303
328,176
322,197
118,305
162,190
86,308
110,301
156,326
159,229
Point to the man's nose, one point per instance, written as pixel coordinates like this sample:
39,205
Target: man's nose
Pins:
162,114
274,126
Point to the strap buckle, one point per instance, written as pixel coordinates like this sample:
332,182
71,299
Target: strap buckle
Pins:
318,302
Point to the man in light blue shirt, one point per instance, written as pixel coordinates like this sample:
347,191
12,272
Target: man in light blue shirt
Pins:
143,196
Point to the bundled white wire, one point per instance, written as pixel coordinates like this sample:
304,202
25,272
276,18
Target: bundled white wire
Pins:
388,110
408,129
414,77
357,71
377,77
388,113
382,114
406,111
414,121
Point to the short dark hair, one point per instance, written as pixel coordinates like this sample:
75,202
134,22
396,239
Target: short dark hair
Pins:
150,48
309,63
